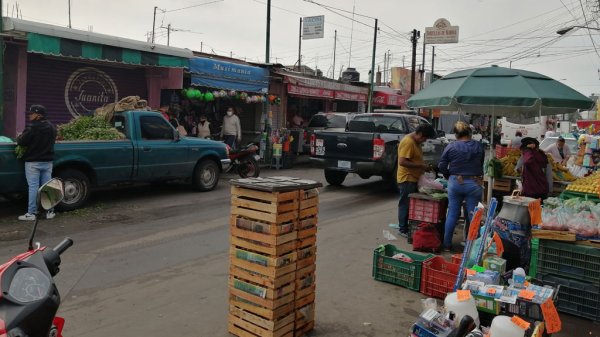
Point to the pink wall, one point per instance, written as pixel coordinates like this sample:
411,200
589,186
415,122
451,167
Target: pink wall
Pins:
162,78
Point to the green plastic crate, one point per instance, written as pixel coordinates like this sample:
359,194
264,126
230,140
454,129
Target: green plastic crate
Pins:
569,260
533,262
401,273
574,297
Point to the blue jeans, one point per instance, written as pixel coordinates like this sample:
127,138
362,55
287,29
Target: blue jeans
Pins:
404,189
37,173
470,192
230,140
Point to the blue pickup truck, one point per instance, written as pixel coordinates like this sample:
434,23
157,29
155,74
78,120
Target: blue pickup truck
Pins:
153,151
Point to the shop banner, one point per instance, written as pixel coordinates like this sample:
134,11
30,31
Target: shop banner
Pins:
313,92
325,84
228,75
385,99
313,27
441,32
350,96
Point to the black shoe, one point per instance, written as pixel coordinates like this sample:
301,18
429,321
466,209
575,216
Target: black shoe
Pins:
403,234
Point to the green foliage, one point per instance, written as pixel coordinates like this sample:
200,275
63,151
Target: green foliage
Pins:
88,128
20,151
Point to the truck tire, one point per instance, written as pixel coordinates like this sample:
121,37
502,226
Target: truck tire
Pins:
77,189
206,175
335,178
391,178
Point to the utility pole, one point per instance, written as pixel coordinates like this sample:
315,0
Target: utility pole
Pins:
268,44
432,63
369,102
168,34
414,38
153,23
300,46
334,50
69,13
422,81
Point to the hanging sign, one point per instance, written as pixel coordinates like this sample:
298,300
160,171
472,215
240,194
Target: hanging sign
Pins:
89,88
441,32
313,27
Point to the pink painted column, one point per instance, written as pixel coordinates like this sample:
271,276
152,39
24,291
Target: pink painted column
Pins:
159,79
15,77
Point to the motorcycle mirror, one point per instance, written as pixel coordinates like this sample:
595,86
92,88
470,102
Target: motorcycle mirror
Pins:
49,195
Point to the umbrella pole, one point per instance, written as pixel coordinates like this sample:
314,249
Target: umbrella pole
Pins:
492,155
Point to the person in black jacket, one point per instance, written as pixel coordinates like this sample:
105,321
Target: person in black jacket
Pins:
38,139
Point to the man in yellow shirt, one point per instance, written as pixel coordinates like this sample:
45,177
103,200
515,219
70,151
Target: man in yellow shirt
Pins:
410,168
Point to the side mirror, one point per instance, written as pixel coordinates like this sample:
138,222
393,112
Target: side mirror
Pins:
176,136
51,194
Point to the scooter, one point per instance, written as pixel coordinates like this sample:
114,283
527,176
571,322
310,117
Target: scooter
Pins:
244,161
29,298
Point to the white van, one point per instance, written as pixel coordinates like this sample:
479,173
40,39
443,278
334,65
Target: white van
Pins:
529,127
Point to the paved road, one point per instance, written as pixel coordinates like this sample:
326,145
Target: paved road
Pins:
153,261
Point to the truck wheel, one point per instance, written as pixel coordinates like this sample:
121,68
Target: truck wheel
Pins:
206,175
391,178
77,189
335,178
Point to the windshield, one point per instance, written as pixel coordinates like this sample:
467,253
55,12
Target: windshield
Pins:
570,142
384,123
327,121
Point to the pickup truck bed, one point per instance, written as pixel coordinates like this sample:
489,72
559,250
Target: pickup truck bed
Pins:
152,152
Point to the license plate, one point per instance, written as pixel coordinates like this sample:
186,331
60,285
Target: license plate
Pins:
344,164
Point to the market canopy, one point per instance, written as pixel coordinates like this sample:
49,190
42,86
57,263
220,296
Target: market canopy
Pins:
218,74
501,92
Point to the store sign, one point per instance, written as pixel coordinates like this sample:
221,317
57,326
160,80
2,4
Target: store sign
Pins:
441,32
313,27
349,96
305,91
401,80
87,89
384,99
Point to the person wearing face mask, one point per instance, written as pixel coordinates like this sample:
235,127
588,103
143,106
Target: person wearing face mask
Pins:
231,132
203,127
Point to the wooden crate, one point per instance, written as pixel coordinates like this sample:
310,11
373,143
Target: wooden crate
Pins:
260,279
247,324
267,265
263,227
306,256
306,242
267,313
305,315
308,198
272,207
262,295
308,212
505,185
304,330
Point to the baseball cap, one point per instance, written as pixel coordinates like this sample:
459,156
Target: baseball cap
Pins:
38,109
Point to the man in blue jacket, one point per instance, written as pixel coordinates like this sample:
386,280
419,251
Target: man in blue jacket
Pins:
38,139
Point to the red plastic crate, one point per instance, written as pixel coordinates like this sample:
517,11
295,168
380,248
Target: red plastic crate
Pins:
501,151
426,209
438,277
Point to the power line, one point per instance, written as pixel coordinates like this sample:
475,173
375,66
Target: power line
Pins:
193,6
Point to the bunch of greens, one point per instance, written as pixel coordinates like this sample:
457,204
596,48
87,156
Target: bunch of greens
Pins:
20,151
88,128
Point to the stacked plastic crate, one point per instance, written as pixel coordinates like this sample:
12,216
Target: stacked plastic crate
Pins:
576,268
425,208
271,235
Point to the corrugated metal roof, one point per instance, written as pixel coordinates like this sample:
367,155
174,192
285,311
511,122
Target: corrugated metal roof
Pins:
16,26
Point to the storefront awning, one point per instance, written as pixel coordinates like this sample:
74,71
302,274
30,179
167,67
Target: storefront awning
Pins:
381,98
326,89
59,41
228,75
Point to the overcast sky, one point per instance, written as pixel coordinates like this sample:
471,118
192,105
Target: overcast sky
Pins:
491,31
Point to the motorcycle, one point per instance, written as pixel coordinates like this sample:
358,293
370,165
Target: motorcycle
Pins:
244,161
29,298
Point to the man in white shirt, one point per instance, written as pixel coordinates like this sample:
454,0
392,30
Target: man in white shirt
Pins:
559,152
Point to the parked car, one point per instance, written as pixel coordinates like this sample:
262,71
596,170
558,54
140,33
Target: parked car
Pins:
153,151
368,147
330,121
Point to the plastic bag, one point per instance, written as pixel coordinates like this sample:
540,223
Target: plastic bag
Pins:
550,220
428,184
583,224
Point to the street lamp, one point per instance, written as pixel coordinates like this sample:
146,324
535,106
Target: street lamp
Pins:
564,31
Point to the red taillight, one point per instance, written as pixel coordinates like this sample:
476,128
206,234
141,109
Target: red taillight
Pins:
305,136
313,139
378,148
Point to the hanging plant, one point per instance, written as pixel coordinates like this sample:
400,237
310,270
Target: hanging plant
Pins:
209,97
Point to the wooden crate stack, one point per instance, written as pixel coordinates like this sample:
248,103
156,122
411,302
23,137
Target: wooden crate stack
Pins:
272,258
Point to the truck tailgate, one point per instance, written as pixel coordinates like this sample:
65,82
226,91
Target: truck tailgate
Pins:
345,146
